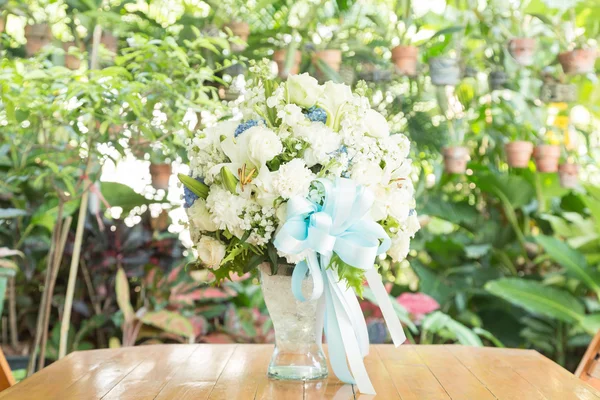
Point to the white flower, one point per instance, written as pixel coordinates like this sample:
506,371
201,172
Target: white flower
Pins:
293,179
376,124
303,90
211,251
264,191
263,145
276,98
291,115
322,140
367,172
400,247
200,218
335,96
226,209
412,224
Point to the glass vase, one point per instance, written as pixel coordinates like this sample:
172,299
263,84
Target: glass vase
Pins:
297,355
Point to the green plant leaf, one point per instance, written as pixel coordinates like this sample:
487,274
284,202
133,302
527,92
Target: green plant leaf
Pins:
572,260
6,213
539,299
123,299
120,195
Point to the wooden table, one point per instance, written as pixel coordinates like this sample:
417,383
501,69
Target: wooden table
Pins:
238,372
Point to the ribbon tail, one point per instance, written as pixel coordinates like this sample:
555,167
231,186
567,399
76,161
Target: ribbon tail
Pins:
339,326
310,264
387,309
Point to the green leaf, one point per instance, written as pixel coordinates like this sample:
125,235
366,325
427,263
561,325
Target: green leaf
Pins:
437,322
6,213
119,195
572,260
539,299
198,188
229,180
591,323
123,299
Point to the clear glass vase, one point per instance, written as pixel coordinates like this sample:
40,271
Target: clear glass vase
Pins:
297,355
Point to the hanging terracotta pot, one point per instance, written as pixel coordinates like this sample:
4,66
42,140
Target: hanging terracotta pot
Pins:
160,174
444,71
2,23
374,73
558,92
497,80
240,29
518,153
71,61
568,175
522,50
279,56
38,36
229,93
546,157
405,59
455,159
110,41
578,61
332,57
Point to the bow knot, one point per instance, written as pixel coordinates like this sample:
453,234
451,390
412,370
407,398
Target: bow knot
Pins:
339,224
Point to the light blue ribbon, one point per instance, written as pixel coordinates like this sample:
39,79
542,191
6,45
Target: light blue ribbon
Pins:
341,225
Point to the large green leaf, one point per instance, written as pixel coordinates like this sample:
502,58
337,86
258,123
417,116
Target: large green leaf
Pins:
516,189
119,195
572,260
539,299
437,322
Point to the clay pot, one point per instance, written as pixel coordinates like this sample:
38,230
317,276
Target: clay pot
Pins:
279,57
546,157
497,80
568,175
71,61
38,36
455,159
558,92
405,59
444,71
2,23
229,93
373,73
240,29
518,153
578,61
110,41
333,58
522,50
160,174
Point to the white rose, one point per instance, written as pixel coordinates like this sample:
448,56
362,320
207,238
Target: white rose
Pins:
400,247
366,173
400,203
200,217
263,145
323,142
211,251
303,90
412,224
376,124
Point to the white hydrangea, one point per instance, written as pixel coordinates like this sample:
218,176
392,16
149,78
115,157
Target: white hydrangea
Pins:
205,150
293,179
226,209
291,115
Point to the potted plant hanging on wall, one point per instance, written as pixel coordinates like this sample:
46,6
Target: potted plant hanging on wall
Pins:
321,251
520,32
547,153
38,35
568,173
455,153
555,90
444,69
520,147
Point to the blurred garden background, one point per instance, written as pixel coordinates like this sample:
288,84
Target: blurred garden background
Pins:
500,99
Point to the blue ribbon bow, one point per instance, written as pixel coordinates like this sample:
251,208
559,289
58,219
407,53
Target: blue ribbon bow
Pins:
340,225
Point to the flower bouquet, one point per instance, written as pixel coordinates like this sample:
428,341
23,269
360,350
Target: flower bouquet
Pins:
309,188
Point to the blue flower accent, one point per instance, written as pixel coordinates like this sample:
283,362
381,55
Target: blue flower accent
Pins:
316,114
244,126
411,212
190,197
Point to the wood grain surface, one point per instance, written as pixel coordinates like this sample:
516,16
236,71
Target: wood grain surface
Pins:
238,372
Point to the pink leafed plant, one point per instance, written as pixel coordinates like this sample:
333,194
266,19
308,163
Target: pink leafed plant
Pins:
417,304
